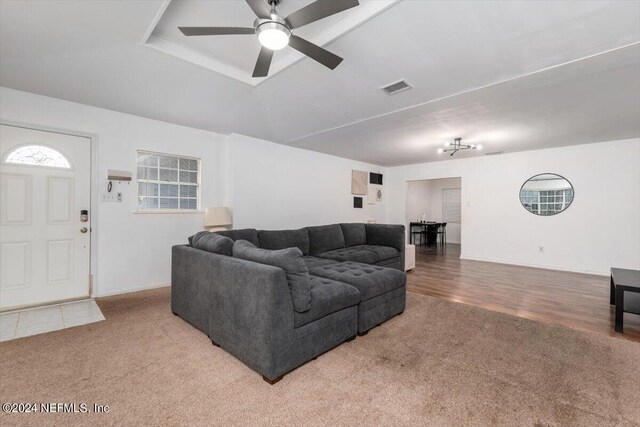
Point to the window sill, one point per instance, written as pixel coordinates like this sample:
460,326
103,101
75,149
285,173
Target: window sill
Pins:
168,212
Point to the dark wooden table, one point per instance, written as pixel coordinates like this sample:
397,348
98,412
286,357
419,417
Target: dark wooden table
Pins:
622,280
430,228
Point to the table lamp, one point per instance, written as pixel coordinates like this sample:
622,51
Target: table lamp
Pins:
217,219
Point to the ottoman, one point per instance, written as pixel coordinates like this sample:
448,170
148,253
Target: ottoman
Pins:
382,290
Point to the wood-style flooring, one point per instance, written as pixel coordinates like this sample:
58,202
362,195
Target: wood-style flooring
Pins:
574,300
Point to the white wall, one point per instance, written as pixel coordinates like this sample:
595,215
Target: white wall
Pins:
133,249
267,185
425,197
418,200
272,186
601,228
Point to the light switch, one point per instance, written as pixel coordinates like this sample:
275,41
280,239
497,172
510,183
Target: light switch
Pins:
111,197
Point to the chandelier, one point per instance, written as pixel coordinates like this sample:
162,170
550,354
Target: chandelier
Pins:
458,146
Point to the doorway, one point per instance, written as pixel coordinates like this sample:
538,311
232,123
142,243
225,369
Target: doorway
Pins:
45,225
434,201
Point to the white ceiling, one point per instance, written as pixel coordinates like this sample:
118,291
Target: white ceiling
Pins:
592,100
566,76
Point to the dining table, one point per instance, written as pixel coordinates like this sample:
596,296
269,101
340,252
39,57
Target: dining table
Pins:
429,228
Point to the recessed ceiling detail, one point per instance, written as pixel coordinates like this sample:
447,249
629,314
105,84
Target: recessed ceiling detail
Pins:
233,55
275,31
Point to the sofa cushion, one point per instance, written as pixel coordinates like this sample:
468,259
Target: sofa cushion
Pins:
385,235
396,263
248,234
354,234
370,280
382,252
192,238
313,261
325,238
327,296
290,260
212,242
350,254
195,237
282,239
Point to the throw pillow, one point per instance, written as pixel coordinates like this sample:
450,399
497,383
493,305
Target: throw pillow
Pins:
212,242
290,260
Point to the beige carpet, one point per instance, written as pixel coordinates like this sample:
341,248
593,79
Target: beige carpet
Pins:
440,363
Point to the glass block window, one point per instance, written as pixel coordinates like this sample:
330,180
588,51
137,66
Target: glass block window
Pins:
38,155
167,182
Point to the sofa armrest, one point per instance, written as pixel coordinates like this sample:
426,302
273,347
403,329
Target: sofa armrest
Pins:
386,235
251,312
190,285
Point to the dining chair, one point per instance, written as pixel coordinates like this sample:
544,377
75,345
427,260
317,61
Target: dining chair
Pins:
419,232
442,233
431,232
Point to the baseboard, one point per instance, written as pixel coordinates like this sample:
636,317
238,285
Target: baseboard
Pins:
542,266
129,290
449,242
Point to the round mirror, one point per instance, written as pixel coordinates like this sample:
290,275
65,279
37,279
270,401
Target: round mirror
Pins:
546,194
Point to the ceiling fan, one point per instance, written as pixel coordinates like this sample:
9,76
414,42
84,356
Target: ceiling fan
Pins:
275,32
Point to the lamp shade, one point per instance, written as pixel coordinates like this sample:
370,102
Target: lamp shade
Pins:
214,217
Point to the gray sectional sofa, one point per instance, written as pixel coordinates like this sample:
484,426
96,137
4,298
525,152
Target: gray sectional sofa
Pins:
277,299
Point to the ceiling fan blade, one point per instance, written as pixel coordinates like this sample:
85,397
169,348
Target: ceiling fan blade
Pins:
260,8
215,31
315,52
318,10
263,63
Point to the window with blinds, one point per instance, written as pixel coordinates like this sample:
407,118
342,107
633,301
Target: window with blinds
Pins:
546,202
168,182
451,205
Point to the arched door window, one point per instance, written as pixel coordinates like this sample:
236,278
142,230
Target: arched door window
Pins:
38,155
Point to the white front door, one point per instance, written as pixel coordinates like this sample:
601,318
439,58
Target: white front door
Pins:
44,245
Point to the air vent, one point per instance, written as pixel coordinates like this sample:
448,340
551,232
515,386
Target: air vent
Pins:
396,87
495,153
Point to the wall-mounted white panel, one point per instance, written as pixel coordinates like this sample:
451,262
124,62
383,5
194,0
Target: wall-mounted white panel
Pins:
59,261
16,199
60,200
15,260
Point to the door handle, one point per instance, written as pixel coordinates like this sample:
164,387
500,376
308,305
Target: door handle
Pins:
84,229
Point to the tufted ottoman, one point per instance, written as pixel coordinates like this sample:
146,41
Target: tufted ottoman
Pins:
382,290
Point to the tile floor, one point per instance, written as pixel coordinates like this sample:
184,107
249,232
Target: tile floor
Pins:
33,321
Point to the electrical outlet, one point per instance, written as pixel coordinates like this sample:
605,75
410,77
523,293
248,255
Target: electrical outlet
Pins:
540,249
111,197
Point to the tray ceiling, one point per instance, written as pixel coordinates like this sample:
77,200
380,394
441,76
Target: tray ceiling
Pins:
235,55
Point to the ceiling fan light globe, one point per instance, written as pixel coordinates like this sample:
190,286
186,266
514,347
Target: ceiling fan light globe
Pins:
440,151
479,147
447,143
273,39
273,35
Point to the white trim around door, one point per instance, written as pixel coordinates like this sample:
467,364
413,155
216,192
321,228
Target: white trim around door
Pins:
93,188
